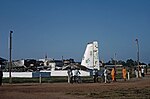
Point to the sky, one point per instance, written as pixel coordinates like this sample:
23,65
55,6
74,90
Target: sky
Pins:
64,27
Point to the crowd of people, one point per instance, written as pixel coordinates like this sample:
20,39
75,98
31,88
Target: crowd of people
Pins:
107,75
139,73
74,76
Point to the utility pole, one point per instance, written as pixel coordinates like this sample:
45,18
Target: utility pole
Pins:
137,42
10,59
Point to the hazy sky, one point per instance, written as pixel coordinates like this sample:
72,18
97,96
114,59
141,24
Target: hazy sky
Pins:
64,27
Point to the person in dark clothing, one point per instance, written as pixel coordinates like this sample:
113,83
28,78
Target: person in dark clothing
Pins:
146,69
1,76
95,75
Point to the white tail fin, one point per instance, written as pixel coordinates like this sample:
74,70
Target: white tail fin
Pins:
91,57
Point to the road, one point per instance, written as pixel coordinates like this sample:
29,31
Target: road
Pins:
134,88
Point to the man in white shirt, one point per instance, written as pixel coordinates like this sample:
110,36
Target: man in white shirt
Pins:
76,75
105,74
142,72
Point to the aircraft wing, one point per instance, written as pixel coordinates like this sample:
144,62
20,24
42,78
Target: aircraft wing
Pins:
75,66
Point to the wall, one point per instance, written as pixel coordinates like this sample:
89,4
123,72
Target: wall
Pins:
51,73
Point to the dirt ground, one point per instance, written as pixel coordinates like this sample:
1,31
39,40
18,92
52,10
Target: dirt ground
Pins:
134,88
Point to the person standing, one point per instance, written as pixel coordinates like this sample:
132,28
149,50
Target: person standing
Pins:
142,72
113,74
136,72
95,75
70,76
77,76
128,73
1,76
146,69
105,74
124,73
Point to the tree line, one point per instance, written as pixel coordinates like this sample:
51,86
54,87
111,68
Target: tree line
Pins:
127,63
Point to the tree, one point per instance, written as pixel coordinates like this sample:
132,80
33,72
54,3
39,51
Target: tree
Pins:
142,63
120,62
130,63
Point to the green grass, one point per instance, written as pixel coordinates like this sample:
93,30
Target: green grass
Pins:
45,80
24,80
36,80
